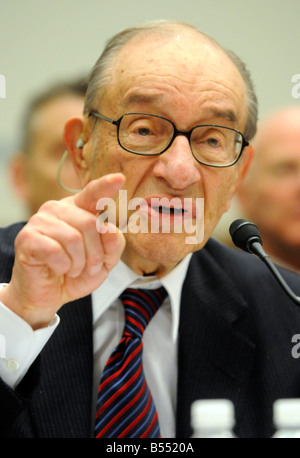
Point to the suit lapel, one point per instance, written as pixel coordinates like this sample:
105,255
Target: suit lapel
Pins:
63,403
216,356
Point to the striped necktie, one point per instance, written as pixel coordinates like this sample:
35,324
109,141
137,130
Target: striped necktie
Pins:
125,407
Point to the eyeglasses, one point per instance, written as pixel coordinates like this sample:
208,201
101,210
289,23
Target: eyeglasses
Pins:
151,135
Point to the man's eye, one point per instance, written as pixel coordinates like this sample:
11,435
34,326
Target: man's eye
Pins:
212,142
143,131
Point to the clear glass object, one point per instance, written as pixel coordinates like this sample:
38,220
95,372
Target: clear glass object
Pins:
213,419
286,416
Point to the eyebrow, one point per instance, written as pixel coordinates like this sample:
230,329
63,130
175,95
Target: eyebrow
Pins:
143,98
139,98
224,114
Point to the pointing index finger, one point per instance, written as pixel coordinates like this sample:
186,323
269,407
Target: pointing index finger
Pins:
106,186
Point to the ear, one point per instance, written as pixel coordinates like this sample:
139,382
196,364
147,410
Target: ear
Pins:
75,139
18,175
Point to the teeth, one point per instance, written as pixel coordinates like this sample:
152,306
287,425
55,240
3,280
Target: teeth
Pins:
179,210
169,210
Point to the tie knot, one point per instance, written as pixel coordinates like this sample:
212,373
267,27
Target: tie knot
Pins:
140,306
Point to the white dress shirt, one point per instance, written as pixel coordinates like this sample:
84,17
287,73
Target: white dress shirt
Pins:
160,337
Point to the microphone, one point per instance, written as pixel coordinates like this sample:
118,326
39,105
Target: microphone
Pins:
245,235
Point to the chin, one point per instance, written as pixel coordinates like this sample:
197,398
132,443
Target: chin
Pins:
161,248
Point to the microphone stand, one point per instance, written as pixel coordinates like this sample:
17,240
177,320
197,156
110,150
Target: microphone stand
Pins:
256,248
245,235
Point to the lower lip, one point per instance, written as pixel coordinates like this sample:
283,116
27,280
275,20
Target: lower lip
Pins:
164,216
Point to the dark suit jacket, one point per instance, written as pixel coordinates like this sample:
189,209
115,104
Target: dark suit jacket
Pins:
235,333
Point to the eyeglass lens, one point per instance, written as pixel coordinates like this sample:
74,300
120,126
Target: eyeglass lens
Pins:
150,135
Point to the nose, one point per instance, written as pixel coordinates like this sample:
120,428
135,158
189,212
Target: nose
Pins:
177,165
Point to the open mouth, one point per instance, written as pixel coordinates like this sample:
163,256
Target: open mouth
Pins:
168,210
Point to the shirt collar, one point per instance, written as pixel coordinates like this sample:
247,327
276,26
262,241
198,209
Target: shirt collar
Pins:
122,277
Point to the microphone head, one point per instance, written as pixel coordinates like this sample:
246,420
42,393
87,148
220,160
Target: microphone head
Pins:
244,233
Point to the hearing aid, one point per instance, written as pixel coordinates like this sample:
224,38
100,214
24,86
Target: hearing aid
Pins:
80,143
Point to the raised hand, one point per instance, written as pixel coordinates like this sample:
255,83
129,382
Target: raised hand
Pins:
60,255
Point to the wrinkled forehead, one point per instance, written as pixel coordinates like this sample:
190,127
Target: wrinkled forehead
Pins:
183,55
186,62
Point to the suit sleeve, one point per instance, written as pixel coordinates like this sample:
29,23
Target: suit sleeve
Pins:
14,403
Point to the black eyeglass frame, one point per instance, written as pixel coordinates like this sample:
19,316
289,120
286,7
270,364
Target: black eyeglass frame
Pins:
187,134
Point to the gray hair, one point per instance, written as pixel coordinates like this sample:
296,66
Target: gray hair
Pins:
102,70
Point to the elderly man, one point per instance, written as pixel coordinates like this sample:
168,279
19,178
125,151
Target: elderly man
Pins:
270,195
168,115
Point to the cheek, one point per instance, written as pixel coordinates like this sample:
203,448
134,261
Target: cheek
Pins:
218,190
217,194
269,203
107,157
101,164
271,193
44,168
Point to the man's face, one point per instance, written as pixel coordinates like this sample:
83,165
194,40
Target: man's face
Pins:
272,193
46,150
190,83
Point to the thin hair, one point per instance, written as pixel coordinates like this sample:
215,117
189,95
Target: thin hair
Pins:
101,73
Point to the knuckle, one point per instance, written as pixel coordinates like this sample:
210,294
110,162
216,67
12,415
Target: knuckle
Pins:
95,256
23,236
89,223
95,261
48,206
36,220
74,238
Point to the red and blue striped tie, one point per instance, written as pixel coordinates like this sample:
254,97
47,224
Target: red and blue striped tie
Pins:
125,407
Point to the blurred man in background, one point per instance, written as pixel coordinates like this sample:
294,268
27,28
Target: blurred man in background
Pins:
34,168
270,195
